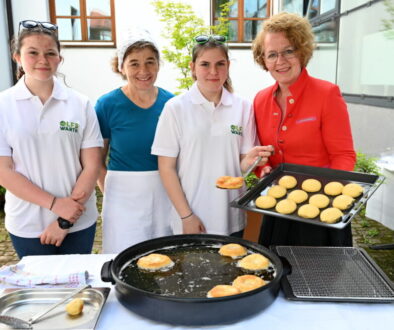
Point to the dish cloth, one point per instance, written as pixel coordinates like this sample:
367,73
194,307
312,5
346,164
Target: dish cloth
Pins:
15,275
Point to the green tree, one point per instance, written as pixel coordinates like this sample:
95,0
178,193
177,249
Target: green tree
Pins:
181,25
388,24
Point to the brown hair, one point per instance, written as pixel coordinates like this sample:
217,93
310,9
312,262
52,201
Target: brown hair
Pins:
138,45
17,41
211,44
298,31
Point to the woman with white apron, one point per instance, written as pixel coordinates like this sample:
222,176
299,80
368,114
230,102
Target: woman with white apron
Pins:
135,205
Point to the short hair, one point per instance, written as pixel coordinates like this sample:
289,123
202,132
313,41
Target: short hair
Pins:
212,44
297,30
17,41
139,45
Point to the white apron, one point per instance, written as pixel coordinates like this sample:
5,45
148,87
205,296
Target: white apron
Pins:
135,208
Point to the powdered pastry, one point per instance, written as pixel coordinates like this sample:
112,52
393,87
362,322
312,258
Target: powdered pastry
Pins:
319,200
286,206
308,211
353,190
298,196
342,202
288,181
333,188
331,215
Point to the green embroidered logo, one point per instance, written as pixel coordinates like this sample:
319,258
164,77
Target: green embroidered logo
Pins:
69,126
236,129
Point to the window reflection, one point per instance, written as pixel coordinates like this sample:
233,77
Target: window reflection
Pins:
67,8
293,6
102,7
255,8
99,29
326,32
251,29
233,9
327,5
69,29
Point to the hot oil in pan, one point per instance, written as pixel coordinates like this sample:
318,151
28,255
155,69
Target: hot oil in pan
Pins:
197,269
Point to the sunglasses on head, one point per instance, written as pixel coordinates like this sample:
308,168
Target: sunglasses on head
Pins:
28,24
203,39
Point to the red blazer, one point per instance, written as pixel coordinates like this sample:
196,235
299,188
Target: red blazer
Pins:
316,130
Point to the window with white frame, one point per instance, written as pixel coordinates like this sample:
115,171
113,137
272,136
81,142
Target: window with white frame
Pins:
245,18
84,22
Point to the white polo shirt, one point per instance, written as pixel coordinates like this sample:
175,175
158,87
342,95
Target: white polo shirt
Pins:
44,142
207,142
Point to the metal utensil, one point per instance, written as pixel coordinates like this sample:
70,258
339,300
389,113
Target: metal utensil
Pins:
17,323
252,167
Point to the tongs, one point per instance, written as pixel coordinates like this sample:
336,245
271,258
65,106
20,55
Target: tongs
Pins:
252,167
17,323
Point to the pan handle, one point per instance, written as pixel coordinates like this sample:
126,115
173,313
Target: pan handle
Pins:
64,224
106,272
286,265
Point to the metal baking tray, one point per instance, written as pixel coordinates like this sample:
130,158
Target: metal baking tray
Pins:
24,303
369,182
343,274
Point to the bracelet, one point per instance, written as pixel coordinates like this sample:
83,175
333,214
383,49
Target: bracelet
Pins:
188,216
53,203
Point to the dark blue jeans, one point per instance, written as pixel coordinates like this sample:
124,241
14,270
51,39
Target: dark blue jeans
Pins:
80,242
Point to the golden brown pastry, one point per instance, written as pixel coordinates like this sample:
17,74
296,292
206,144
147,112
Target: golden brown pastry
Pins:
311,185
353,190
75,307
265,202
331,215
319,200
155,261
222,290
342,202
288,181
230,182
248,282
254,261
286,206
298,196
233,250
333,188
308,211
277,191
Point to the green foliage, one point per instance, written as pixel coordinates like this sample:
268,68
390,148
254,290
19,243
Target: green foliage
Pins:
2,190
388,24
366,164
181,25
251,180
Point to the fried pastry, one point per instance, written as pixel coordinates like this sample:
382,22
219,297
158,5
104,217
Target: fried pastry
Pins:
331,215
155,261
342,202
311,185
265,202
230,182
75,307
298,196
308,211
254,261
286,206
319,200
353,190
288,181
333,188
248,282
233,250
222,290
277,191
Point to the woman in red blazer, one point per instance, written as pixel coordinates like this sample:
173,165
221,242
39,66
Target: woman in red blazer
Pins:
304,118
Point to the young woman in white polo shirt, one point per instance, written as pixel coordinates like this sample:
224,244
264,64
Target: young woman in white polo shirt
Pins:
203,134
50,146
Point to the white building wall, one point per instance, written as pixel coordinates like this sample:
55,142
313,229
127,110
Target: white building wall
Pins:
88,70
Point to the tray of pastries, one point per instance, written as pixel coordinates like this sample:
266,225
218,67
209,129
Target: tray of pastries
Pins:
314,195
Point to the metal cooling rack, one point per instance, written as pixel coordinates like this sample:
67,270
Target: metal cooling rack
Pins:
334,273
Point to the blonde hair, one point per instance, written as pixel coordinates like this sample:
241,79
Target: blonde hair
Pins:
297,30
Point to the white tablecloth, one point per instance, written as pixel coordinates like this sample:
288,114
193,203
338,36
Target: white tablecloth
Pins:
281,314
